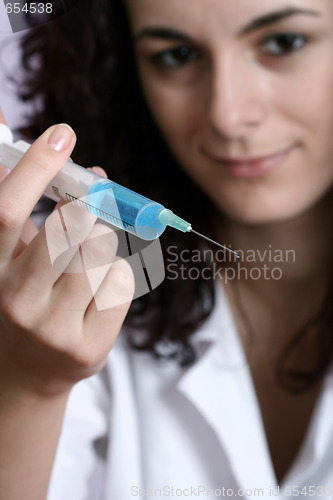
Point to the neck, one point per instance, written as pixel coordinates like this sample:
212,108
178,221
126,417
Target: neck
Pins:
301,247
287,263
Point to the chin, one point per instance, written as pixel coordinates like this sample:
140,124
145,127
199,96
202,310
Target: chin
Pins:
262,215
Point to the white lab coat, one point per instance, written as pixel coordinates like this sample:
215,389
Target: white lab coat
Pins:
143,424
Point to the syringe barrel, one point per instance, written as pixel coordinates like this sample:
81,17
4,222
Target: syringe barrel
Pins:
71,182
126,209
108,200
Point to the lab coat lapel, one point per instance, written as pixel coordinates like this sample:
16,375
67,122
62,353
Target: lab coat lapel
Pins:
317,449
124,456
220,386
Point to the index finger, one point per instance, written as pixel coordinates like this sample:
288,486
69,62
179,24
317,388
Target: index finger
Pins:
22,188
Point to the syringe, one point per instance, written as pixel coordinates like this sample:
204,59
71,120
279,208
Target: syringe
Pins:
102,197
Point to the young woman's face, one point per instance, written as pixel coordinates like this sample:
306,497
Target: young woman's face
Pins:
242,91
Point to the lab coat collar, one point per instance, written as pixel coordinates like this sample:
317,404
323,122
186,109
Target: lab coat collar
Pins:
220,386
220,328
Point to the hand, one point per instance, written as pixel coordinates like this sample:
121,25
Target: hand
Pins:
51,332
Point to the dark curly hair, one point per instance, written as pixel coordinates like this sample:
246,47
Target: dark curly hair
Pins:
80,69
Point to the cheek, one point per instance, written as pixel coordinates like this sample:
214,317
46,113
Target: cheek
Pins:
310,100
317,113
317,108
176,109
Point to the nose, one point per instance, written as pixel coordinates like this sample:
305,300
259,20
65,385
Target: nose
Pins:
237,98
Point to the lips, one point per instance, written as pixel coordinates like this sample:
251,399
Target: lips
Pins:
252,167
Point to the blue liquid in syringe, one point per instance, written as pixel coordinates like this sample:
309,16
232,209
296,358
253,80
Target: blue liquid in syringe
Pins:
126,209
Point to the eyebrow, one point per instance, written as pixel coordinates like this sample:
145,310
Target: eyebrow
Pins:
163,33
275,17
260,22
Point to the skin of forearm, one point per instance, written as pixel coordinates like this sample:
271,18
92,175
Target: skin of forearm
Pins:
30,426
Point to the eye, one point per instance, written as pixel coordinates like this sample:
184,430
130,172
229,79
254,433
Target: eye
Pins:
284,44
175,58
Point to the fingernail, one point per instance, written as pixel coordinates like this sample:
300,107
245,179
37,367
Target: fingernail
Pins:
61,137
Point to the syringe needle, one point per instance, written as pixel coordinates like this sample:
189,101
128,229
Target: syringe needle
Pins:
215,242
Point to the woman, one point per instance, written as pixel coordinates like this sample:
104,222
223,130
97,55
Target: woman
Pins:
240,93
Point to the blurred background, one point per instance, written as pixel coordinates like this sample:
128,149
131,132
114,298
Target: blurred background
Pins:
13,109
